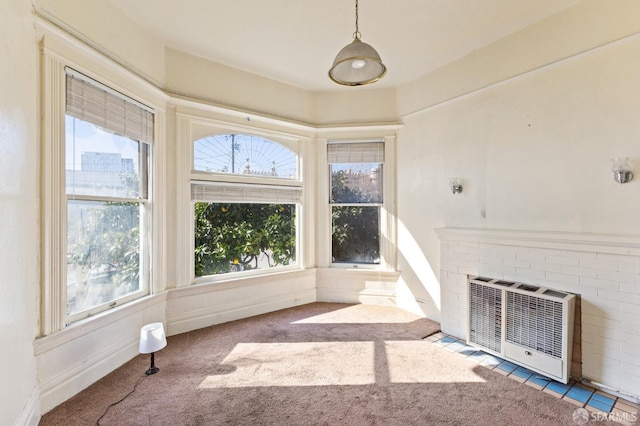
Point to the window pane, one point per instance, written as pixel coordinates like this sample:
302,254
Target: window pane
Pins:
241,237
103,252
355,234
101,163
245,155
356,183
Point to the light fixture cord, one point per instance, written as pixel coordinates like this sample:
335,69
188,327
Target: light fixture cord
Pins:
357,34
121,399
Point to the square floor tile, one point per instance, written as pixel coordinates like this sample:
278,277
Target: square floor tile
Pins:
539,380
533,385
507,366
601,402
573,401
478,356
454,346
432,338
557,387
550,392
579,393
467,351
491,360
522,372
600,406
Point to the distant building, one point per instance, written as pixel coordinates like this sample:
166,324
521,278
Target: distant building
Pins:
105,162
102,173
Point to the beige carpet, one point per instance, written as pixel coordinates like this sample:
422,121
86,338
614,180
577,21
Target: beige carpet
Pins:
318,364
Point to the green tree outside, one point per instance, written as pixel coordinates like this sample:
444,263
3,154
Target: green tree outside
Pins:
233,237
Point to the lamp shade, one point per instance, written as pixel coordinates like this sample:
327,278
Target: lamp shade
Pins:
356,64
152,338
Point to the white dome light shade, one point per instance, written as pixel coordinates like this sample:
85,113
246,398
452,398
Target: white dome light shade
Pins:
356,64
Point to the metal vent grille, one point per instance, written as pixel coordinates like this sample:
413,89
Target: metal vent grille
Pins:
485,317
535,323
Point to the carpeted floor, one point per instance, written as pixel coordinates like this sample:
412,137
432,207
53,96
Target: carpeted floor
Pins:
317,364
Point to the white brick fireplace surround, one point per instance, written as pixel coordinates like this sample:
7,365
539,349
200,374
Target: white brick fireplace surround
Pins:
604,270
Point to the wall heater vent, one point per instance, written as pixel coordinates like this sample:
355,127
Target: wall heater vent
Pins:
529,325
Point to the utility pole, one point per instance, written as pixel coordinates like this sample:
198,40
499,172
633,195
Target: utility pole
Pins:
233,153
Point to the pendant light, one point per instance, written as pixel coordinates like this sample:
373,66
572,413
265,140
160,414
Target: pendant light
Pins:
357,63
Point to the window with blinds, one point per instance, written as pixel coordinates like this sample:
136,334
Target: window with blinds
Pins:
243,193
245,215
355,152
107,149
356,197
95,103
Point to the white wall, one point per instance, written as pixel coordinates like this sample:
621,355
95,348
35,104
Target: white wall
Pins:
533,150
533,153
200,79
103,26
580,28
19,236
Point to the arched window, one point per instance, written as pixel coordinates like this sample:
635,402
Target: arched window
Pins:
244,155
245,214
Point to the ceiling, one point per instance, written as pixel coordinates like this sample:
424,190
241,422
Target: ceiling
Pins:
295,41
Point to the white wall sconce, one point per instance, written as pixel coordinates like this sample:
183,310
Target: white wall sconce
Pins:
456,185
621,169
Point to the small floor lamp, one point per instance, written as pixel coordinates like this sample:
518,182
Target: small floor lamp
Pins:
152,339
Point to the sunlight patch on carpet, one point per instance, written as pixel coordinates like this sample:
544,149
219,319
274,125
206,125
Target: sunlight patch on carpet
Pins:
420,362
361,314
296,364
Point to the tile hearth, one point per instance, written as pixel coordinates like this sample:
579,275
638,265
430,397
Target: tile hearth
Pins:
604,405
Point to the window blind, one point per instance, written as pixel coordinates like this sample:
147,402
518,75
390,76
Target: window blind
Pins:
218,192
355,152
89,101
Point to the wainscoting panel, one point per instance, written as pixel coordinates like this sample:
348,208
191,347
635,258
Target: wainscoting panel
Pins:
74,358
204,305
357,286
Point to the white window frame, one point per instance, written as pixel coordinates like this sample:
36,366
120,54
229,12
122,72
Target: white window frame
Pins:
193,127
60,52
365,152
387,219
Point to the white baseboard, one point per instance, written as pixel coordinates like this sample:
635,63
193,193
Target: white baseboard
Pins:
357,286
196,319
368,297
30,415
63,386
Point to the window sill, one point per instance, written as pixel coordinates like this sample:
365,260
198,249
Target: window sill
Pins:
204,286
96,322
362,272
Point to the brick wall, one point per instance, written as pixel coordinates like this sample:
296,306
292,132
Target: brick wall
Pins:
604,270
